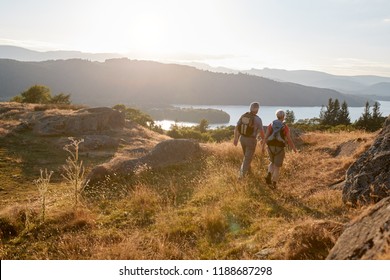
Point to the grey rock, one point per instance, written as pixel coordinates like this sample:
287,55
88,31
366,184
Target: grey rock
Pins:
98,142
366,238
165,153
93,120
368,178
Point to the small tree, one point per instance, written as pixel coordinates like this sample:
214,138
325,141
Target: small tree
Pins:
119,107
376,114
365,119
40,94
366,116
203,125
36,94
17,98
377,119
135,115
334,114
326,114
290,117
343,115
60,98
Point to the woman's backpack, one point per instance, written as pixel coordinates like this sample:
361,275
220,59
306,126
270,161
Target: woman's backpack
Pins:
277,138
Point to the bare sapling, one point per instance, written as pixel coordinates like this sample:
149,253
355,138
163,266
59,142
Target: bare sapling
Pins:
74,169
43,183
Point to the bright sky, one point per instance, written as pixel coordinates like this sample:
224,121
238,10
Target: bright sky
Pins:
349,37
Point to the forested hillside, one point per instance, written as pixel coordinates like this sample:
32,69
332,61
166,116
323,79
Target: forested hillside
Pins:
145,82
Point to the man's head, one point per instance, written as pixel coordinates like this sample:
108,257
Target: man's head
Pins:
254,107
280,114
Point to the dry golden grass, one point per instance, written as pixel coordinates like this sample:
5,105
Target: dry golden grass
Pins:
200,210
308,239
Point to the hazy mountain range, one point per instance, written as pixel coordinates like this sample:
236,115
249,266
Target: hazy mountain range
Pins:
145,82
375,87
365,85
22,54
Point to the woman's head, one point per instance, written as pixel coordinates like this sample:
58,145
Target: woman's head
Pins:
280,114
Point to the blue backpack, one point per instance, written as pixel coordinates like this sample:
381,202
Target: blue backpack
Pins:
277,138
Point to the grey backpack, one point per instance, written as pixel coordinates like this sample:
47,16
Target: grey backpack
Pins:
246,124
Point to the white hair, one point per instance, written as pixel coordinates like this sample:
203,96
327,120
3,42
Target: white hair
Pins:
280,114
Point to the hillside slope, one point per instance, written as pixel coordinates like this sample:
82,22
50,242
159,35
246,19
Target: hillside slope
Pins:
139,82
357,84
181,211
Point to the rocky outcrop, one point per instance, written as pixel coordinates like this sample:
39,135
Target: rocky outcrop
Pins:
84,121
368,237
165,153
368,178
47,120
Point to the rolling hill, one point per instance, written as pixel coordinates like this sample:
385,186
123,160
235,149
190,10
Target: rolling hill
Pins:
145,82
374,86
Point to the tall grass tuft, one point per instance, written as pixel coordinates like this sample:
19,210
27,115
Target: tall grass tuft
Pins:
43,183
144,204
74,169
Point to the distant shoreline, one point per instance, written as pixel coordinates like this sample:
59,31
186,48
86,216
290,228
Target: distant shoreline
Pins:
266,113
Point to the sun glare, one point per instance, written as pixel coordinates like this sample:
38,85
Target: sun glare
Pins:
144,35
147,35
126,27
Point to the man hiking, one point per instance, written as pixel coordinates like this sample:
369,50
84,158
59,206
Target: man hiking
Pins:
276,137
248,130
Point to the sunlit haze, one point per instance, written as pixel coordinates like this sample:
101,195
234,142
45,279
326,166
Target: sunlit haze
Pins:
347,37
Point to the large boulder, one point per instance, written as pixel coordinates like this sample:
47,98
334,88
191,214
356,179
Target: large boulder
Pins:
165,153
368,178
368,237
84,121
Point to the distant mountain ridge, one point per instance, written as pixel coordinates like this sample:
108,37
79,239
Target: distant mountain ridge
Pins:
146,82
22,54
368,86
361,85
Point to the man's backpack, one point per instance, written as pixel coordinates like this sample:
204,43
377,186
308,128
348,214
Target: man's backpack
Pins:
277,138
246,124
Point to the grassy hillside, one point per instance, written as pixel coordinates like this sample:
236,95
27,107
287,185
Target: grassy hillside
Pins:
194,211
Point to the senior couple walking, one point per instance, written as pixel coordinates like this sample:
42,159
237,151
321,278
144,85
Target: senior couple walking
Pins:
249,131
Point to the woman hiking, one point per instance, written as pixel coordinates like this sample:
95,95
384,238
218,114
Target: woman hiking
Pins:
276,138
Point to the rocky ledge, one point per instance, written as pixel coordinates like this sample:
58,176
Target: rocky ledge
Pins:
367,237
368,178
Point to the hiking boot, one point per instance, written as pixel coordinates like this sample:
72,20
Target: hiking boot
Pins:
268,178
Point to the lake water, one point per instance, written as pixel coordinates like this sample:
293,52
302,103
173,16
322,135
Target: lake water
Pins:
267,113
